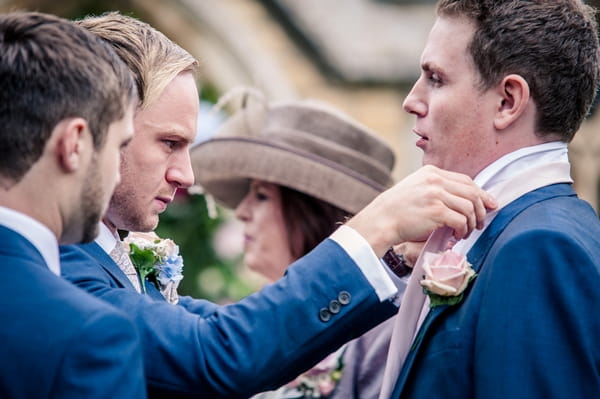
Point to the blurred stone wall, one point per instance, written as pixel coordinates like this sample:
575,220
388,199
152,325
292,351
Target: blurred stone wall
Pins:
242,42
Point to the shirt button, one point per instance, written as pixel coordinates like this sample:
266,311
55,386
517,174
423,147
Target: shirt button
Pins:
334,307
344,297
324,314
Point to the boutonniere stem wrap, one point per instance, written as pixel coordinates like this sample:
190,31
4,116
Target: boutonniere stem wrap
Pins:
447,275
158,261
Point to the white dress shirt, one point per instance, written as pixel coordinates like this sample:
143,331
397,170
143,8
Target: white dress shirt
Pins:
106,239
507,167
369,264
36,233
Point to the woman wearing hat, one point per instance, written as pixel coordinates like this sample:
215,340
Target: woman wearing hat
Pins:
293,172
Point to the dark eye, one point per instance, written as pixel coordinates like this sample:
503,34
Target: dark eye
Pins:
261,196
125,144
170,143
434,79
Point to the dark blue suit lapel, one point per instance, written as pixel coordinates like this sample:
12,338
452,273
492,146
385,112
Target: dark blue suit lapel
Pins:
115,271
476,256
153,292
107,263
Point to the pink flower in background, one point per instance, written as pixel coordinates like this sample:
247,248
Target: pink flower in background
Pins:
320,381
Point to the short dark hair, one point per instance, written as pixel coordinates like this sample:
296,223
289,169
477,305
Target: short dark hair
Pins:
308,217
552,44
50,70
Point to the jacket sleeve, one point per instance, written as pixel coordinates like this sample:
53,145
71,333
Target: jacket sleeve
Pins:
259,343
201,307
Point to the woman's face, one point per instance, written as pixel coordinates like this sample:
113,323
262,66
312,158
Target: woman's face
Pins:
267,248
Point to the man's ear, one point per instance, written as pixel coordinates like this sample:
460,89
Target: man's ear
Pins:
70,145
514,98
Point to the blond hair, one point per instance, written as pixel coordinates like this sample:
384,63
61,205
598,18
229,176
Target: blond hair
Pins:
152,57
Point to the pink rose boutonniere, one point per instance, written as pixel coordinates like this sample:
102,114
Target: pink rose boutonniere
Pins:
447,275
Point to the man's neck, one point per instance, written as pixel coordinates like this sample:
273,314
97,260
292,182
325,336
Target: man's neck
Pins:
24,202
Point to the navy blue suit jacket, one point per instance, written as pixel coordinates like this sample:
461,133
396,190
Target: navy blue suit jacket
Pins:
199,349
56,341
529,324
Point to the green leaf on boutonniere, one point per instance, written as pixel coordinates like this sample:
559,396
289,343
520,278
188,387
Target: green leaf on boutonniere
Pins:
143,260
438,300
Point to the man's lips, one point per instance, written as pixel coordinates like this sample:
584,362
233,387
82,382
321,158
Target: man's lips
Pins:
163,202
422,140
247,241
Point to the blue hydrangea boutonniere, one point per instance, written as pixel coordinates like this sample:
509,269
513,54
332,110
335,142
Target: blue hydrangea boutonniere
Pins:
447,275
156,260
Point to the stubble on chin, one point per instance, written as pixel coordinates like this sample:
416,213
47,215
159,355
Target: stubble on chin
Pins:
127,212
132,219
92,204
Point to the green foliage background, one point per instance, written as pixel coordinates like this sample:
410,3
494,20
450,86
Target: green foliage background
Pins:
206,275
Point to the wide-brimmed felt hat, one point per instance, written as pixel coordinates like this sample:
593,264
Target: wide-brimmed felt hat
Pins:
306,146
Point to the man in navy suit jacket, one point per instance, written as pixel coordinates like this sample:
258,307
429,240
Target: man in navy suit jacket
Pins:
505,84
66,108
334,294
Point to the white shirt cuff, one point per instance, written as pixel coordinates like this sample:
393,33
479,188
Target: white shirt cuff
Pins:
369,264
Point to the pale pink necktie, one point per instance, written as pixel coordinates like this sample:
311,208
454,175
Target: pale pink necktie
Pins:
414,306
121,258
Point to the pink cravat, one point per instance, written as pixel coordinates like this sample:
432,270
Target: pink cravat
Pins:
121,258
414,307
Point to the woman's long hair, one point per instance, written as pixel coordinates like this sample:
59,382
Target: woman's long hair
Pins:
309,220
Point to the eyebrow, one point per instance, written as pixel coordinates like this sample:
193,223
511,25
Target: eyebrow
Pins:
429,67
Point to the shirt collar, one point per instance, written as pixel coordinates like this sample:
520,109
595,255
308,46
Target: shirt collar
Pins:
517,161
508,167
106,239
36,233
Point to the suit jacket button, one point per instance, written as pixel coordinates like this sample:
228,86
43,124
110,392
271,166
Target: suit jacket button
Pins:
334,307
344,297
324,314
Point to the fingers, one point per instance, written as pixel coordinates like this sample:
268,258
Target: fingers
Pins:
458,223
465,198
461,214
453,177
419,204
480,213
